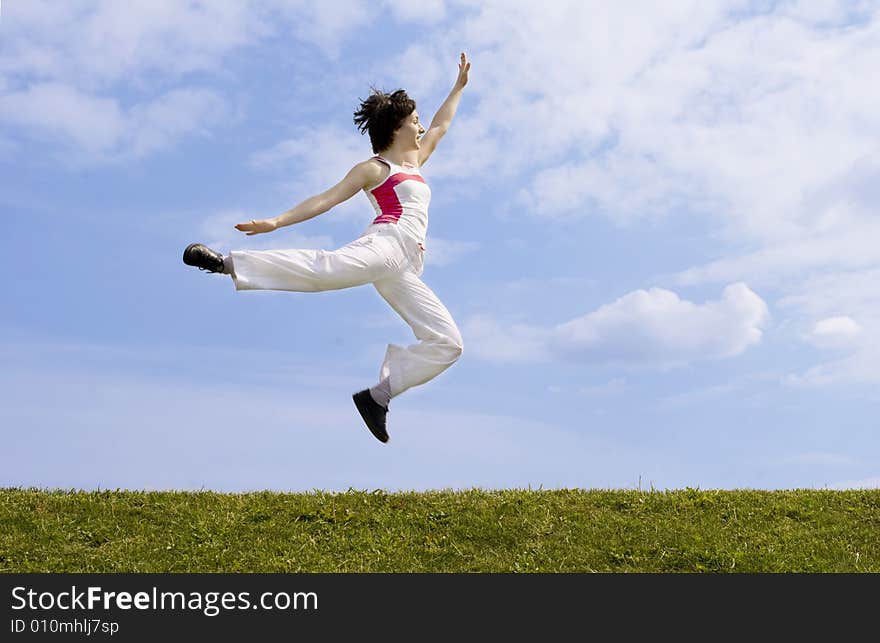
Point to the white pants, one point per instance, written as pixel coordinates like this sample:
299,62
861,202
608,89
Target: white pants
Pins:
393,263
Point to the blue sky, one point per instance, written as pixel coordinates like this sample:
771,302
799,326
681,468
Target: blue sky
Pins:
654,224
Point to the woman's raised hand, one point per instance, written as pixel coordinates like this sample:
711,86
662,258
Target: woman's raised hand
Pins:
463,68
256,226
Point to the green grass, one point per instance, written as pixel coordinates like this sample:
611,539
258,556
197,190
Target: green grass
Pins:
691,530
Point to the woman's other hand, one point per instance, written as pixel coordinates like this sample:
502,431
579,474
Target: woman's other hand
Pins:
463,68
256,226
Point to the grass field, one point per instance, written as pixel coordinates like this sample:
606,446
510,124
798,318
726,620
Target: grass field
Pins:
691,530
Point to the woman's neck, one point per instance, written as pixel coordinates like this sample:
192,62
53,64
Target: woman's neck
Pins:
401,157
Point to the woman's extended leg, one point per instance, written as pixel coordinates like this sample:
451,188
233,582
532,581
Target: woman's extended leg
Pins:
362,261
440,343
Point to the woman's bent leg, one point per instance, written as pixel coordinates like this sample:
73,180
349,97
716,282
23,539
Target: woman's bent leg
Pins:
440,343
362,261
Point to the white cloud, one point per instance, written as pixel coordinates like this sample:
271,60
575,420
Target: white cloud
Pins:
424,11
181,112
427,72
96,43
838,296
652,328
827,13
547,82
63,66
834,332
325,24
100,130
860,367
619,186
826,294
790,259
92,123
657,327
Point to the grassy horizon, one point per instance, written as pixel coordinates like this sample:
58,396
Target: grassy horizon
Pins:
475,530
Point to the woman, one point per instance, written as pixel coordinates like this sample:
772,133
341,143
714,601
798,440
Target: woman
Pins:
389,254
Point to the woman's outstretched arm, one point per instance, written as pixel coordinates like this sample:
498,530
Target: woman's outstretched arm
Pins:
443,118
360,176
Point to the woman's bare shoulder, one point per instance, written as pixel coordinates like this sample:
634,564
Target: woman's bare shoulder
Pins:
371,171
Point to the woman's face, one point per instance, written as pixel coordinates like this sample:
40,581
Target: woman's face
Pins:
410,131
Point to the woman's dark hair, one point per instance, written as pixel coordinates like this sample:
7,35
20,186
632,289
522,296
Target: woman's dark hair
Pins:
382,114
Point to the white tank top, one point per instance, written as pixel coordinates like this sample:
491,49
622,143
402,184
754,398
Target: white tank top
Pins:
402,199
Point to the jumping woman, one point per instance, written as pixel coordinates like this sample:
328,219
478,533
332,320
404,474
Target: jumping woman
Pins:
389,254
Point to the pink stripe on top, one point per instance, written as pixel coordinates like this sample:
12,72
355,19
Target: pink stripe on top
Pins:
386,197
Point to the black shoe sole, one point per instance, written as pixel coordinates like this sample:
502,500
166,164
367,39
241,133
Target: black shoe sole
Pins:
363,407
186,252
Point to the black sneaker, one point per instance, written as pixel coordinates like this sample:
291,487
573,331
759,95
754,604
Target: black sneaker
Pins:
373,414
203,258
